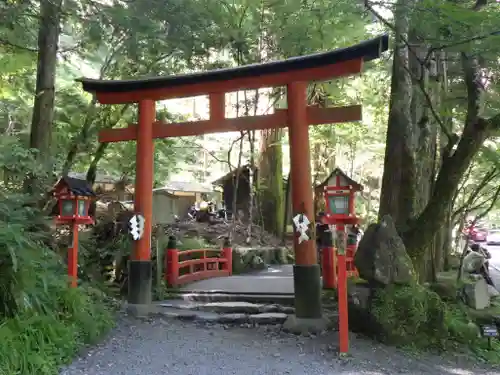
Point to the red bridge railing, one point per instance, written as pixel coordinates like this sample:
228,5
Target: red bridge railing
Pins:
186,266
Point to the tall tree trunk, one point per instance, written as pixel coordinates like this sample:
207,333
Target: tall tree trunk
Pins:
407,168
476,131
98,155
425,98
43,108
398,182
271,189
81,138
251,186
316,172
287,208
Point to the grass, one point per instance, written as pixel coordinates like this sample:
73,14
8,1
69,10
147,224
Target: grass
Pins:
38,342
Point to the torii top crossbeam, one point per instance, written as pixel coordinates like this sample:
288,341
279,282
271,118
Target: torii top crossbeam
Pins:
316,67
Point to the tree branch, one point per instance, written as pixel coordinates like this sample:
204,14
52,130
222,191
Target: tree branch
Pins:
9,44
490,207
489,196
490,175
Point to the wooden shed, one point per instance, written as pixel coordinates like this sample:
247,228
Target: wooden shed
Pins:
176,197
228,183
164,207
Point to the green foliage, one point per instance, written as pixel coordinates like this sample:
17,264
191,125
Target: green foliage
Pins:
42,321
415,316
37,342
193,244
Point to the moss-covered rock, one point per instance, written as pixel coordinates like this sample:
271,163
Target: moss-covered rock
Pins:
251,259
381,256
409,315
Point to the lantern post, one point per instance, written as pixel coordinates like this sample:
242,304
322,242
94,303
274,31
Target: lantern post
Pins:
339,193
74,198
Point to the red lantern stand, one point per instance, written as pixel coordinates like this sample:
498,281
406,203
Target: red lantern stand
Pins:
340,212
74,198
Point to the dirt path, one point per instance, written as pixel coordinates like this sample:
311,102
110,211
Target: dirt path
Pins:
172,347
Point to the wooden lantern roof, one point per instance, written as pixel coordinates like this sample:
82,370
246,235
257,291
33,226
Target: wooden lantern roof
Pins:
345,180
74,186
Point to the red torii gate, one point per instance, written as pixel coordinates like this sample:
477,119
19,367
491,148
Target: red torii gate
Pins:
294,73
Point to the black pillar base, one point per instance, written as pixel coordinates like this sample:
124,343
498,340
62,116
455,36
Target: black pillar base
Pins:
140,278
307,284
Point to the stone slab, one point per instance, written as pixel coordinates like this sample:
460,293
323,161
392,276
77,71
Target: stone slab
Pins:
232,307
236,318
477,294
188,315
271,308
204,297
179,304
268,318
231,318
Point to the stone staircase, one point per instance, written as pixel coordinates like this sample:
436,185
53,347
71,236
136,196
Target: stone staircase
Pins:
233,310
241,313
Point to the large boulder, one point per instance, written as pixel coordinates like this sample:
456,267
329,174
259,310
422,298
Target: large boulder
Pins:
381,257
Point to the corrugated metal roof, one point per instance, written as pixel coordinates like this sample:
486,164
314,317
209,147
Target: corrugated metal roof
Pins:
188,187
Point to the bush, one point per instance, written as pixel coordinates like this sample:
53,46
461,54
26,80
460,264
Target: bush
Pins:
36,342
193,244
42,321
417,316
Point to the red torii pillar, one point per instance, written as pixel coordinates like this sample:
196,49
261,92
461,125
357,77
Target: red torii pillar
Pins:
140,267
306,272
294,74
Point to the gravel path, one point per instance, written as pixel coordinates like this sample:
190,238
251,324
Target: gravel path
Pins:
172,347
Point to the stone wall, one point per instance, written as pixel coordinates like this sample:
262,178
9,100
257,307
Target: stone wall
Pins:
257,258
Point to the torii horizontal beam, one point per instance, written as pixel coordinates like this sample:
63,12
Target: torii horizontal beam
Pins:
316,67
315,116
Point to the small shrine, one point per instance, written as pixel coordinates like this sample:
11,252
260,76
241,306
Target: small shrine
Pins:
339,192
74,197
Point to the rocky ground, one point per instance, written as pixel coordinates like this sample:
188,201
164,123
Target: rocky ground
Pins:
213,232
168,346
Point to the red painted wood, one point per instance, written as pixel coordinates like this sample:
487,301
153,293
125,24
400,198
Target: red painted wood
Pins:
315,116
143,195
343,305
73,258
210,266
217,103
244,83
328,267
300,168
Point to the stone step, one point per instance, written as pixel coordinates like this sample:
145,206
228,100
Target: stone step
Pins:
234,313
230,313
230,307
281,299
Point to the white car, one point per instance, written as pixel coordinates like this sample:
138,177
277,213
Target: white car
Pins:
493,237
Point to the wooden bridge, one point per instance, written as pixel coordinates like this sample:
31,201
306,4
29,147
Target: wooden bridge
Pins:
209,271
